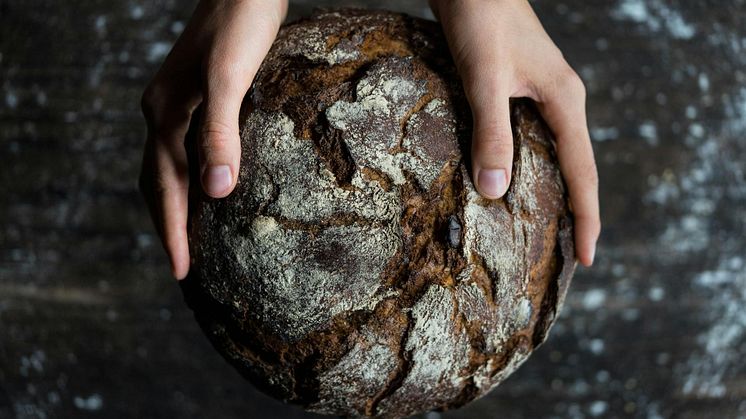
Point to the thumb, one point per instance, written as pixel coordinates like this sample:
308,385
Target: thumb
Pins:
492,147
220,144
246,32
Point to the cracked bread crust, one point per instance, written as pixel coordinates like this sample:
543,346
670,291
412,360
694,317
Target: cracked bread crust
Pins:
355,270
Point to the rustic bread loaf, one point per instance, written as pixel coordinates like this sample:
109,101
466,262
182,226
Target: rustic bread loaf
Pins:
355,270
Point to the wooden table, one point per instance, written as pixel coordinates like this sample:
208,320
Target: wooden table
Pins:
92,326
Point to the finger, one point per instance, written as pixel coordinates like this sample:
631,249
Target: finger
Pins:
171,194
230,68
163,192
168,106
492,145
562,104
145,183
487,81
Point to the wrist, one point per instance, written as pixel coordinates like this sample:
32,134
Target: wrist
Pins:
278,7
454,5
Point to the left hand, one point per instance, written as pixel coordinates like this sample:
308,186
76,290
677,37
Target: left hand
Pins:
212,63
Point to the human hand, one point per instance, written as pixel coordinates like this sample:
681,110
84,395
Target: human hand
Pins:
213,63
502,51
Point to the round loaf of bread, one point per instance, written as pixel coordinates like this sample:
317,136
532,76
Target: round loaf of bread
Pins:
355,270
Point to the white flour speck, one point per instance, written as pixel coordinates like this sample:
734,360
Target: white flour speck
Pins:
656,293
704,82
655,15
92,402
649,132
136,12
100,24
597,346
696,130
706,368
691,112
594,299
177,27
158,51
598,408
11,99
604,133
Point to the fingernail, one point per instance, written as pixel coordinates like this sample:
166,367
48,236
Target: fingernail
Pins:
492,182
217,179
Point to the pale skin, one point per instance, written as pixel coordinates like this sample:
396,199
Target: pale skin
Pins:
500,49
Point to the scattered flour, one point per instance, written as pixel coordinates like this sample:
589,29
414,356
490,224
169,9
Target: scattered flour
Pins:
656,15
598,408
594,299
713,179
346,380
93,402
302,293
432,332
157,51
385,100
708,367
310,43
601,134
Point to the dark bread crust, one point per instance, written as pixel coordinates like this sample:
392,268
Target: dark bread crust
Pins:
401,290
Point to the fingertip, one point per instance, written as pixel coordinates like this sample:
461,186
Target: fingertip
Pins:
217,181
587,257
175,237
592,255
585,249
219,156
179,273
180,265
491,183
492,151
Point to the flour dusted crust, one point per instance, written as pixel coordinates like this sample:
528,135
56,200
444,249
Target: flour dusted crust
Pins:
355,270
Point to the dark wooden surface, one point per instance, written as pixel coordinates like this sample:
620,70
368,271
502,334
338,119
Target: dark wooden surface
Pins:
92,326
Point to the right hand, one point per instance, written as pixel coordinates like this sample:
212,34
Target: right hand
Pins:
212,63
502,51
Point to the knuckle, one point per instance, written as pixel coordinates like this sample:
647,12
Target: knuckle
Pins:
494,139
152,98
154,103
496,148
162,108
589,175
165,185
564,84
569,81
583,181
591,224
217,137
